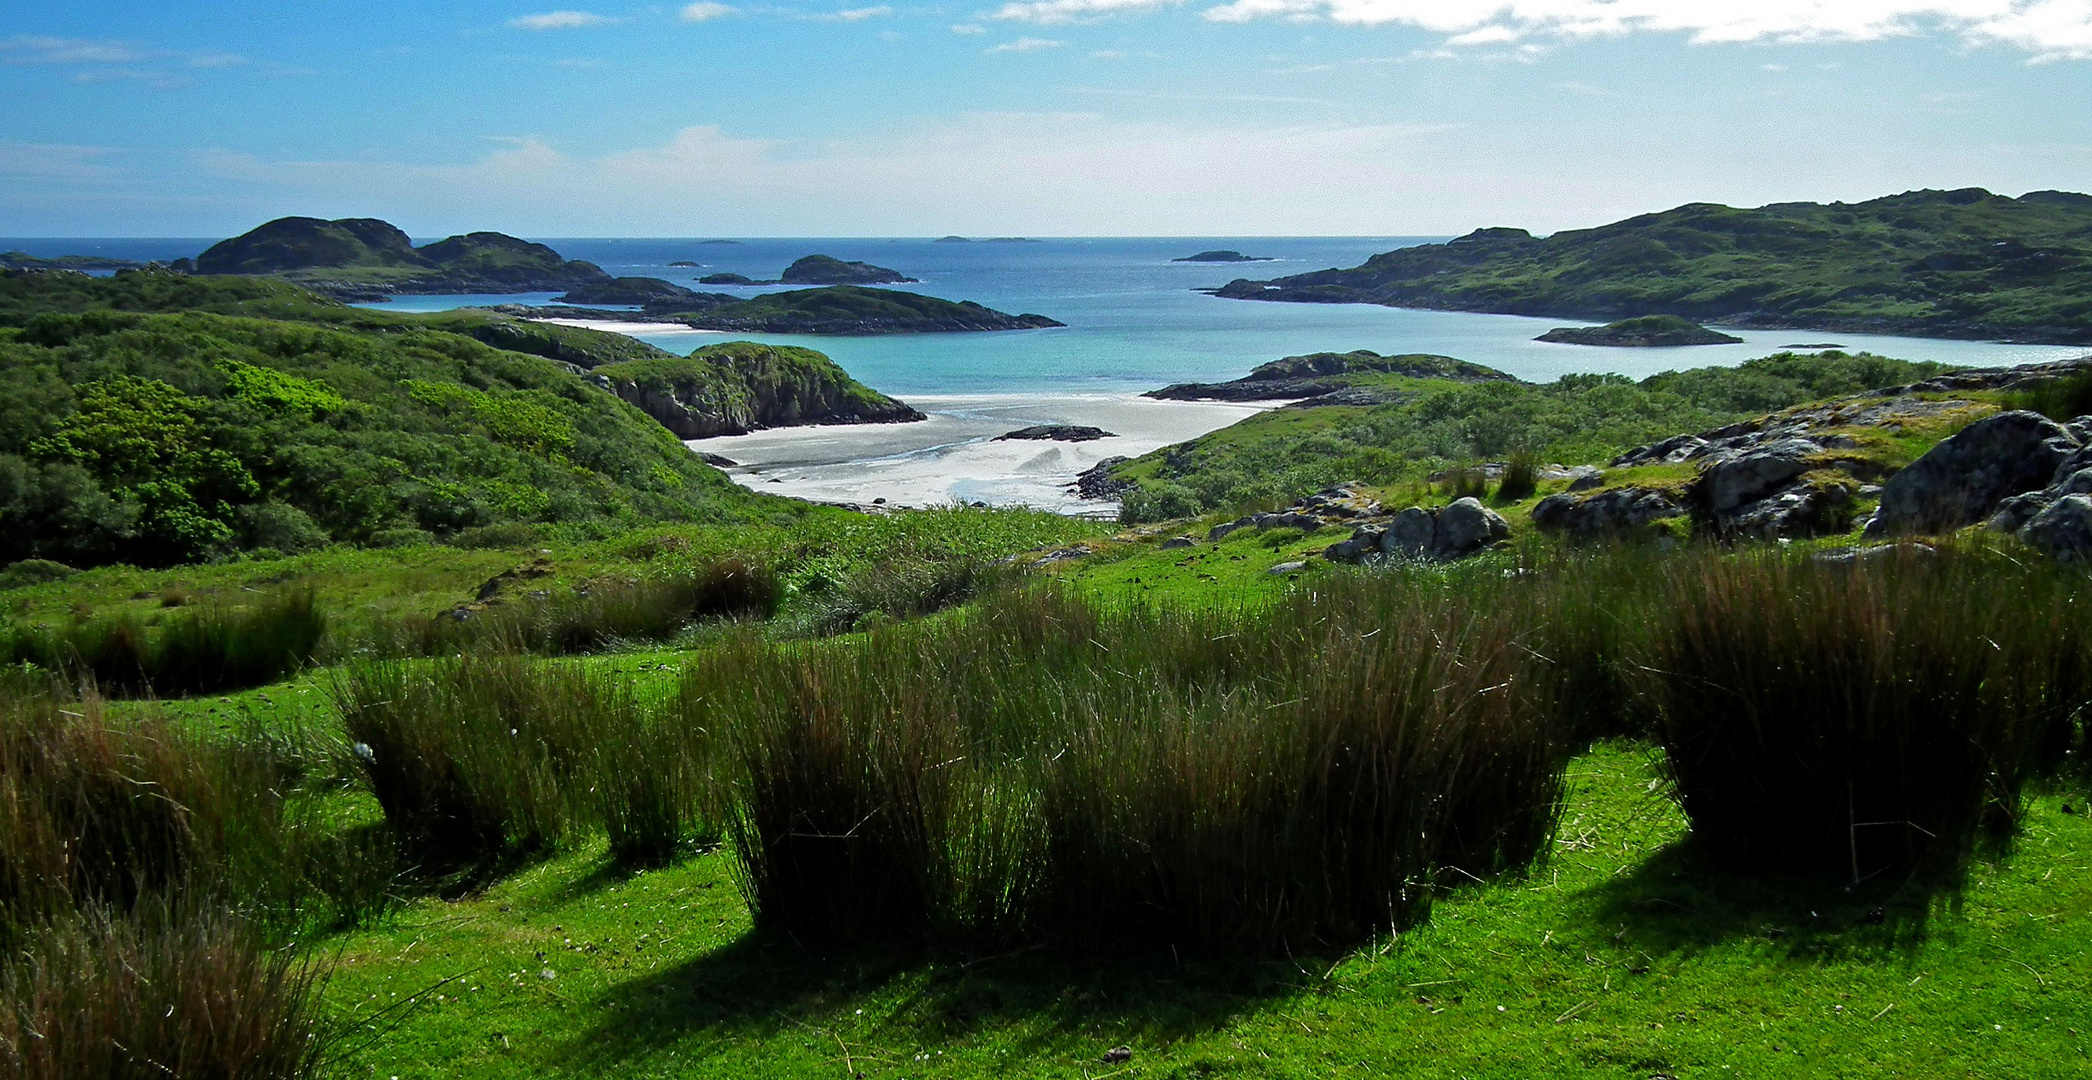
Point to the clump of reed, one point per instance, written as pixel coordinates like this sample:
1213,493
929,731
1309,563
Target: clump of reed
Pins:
479,760
1847,720
597,615
901,588
170,989
1520,480
1160,778
194,650
143,871
2062,399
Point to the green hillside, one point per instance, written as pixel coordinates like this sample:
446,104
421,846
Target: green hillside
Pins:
1939,263
132,431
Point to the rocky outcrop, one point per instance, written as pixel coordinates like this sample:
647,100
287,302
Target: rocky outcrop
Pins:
1647,332
652,294
850,309
1319,375
1620,511
1097,482
1057,433
726,279
1962,480
1457,530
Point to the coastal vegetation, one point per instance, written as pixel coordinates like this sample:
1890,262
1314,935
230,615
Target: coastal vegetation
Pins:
740,386
1366,422
688,781
1963,263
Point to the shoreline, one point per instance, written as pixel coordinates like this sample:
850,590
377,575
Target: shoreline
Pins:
952,457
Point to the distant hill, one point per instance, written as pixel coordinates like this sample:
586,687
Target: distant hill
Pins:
362,258
1965,264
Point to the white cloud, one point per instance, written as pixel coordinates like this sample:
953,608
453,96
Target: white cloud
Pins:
855,14
705,11
52,161
23,49
1108,54
1051,12
2046,29
560,20
1025,44
968,29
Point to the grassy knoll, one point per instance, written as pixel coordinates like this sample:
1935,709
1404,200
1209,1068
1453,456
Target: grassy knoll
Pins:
1949,263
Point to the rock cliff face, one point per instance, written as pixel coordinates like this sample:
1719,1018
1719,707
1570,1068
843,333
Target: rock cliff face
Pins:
741,386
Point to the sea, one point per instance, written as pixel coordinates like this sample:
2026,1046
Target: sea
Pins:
1136,321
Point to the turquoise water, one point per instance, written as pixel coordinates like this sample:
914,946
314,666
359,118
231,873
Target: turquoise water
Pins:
1134,321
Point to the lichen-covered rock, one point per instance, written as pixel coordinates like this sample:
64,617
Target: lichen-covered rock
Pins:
1799,511
1749,476
1964,478
1410,533
1620,510
1453,532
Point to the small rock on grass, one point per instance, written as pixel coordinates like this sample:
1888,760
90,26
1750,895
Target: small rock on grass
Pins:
1288,568
1117,1054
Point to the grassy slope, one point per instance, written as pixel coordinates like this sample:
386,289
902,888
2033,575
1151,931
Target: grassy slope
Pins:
1275,456
1613,960
1955,263
735,376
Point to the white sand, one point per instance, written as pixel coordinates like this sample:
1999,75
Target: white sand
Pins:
650,329
951,457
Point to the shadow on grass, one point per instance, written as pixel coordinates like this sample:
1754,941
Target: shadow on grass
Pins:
765,985
1678,901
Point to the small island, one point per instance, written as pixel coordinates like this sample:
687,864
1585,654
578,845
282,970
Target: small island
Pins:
726,279
1646,332
22,260
826,270
851,309
1058,433
743,386
369,259
951,240
1223,256
641,292
1319,374
685,262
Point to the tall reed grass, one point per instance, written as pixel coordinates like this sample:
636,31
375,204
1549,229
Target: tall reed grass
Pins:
1170,778
196,650
482,759
1855,719
167,990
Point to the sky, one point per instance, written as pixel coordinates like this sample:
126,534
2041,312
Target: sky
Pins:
1031,117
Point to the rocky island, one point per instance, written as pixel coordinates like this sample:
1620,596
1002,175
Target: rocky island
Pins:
1222,256
825,270
22,260
369,259
1958,264
1646,332
1318,375
726,279
850,309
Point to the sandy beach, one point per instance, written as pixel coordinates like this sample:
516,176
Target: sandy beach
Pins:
953,455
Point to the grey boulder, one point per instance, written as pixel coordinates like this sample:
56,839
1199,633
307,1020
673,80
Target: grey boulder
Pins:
1964,478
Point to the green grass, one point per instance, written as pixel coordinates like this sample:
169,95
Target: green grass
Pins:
1620,957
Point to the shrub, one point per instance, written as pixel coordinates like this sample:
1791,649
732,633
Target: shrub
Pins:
1849,720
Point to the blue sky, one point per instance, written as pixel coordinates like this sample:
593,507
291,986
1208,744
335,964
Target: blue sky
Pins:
1041,117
